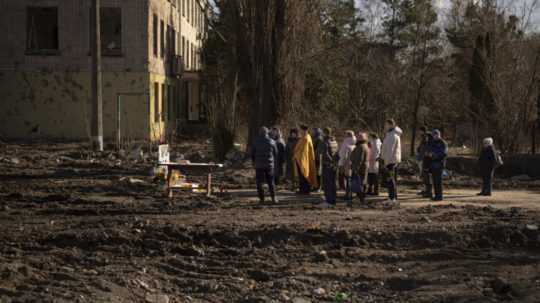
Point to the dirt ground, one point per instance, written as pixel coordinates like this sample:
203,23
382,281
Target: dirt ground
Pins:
84,227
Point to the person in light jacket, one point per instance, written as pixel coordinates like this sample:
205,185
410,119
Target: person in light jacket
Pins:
275,134
374,145
391,155
345,150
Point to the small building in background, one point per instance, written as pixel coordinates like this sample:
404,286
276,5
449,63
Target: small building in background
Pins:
150,57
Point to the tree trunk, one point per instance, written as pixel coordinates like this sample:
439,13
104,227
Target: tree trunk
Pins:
533,137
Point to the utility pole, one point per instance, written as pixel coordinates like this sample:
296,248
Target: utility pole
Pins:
97,96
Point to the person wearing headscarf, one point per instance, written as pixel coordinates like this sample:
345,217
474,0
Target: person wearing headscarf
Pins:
290,169
374,145
345,150
304,157
318,141
264,154
275,134
359,167
391,155
487,162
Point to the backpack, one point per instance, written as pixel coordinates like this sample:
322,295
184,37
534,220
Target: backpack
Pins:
498,159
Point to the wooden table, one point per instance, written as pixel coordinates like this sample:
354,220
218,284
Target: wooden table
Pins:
185,168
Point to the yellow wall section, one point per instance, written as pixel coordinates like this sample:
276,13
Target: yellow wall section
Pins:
158,130
57,105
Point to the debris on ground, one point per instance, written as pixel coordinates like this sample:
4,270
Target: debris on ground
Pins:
83,231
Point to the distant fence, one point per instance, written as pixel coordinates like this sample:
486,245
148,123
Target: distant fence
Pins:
515,165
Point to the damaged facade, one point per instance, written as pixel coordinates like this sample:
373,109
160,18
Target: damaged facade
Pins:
150,56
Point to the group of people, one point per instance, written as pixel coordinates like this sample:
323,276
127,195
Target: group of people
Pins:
315,161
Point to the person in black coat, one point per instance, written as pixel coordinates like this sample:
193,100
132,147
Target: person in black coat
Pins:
486,164
318,141
290,171
437,153
275,134
425,161
329,160
264,155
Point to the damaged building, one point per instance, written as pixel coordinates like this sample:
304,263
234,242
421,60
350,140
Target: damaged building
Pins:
150,58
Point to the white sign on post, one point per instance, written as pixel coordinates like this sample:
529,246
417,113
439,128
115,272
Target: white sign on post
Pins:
163,154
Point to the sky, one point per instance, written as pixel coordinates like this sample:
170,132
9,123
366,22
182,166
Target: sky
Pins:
515,7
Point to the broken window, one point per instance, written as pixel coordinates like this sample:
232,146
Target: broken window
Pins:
169,43
193,56
183,7
183,49
170,105
42,30
156,102
162,35
163,101
173,42
111,31
155,35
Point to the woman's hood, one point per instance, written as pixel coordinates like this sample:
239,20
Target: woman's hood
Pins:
349,141
398,131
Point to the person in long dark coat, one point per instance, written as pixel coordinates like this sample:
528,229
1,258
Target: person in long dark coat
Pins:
290,170
425,162
329,161
318,141
487,162
264,155
437,152
359,166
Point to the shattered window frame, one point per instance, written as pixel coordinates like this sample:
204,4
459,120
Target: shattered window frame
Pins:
111,31
156,102
155,34
42,33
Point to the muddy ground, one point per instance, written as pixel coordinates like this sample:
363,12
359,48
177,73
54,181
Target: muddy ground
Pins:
82,227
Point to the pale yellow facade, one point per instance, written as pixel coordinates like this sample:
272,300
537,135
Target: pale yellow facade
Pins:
47,95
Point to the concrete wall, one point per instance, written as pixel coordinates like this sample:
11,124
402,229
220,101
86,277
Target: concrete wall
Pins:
168,13
45,104
74,37
48,96
192,30
514,165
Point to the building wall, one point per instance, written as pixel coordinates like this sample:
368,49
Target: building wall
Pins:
48,96
74,37
192,25
46,104
167,12
186,104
